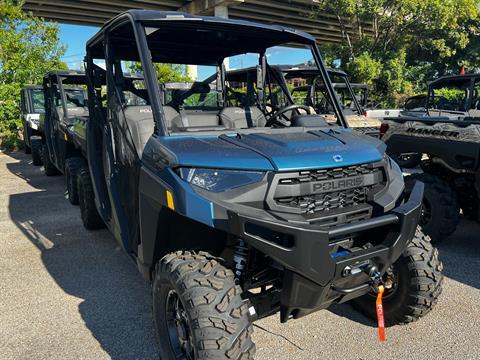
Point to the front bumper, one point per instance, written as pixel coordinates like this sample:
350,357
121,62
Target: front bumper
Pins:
316,273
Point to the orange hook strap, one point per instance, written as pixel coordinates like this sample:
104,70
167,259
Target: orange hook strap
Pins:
380,314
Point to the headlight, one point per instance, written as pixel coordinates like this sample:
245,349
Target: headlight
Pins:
219,180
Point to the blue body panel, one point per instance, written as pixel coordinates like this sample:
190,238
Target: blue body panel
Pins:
188,202
212,152
288,151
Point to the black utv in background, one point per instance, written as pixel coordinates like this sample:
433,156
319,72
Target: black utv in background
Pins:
66,109
232,213
302,85
79,183
65,125
448,136
32,107
65,101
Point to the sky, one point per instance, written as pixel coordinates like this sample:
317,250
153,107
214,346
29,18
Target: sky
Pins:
76,36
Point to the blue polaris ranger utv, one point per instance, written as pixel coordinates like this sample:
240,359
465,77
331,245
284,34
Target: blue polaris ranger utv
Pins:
229,213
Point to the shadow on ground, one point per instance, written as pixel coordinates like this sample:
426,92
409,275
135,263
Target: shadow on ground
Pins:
116,305
460,254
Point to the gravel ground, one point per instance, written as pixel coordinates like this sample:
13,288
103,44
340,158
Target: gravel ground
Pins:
66,293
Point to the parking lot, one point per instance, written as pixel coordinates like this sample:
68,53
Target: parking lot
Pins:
66,293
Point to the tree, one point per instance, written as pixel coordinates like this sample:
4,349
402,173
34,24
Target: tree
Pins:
171,73
403,37
29,48
165,72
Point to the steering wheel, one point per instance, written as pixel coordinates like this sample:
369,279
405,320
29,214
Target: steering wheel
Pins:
274,118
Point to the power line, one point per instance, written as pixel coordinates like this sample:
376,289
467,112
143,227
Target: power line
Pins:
74,55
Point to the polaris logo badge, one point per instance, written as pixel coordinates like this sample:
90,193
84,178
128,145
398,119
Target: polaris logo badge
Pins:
337,158
340,184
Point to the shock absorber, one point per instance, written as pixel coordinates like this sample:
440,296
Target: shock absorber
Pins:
240,257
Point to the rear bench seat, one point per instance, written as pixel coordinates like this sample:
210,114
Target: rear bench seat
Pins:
72,112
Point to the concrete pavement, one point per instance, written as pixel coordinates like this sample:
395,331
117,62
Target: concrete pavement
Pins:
66,293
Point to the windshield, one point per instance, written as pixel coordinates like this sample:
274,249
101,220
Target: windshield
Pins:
450,95
190,95
240,92
349,100
415,103
38,101
213,77
75,98
307,88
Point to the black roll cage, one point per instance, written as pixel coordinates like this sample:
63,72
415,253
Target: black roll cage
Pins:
138,20
27,99
445,80
57,78
313,73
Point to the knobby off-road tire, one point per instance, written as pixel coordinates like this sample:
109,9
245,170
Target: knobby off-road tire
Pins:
49,167
86,200
408,161
209,305
36,150
418,284
441,210
72,166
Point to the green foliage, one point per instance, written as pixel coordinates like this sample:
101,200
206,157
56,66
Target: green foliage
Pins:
451,94
165,72
29,48
10,121
396,46
171,73
364,68
196,100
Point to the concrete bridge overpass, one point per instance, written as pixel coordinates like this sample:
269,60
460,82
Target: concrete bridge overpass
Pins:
293,13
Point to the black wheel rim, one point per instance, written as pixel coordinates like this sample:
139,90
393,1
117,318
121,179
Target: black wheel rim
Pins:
179,331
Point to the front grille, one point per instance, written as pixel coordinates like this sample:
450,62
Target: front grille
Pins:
327,174
326,202
326,190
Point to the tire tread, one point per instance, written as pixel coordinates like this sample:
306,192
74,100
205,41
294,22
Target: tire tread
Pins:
36,150
424,287
88,211
218,315
72,167
444,199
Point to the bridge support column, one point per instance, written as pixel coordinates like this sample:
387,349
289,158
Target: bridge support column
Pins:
192,72
221,10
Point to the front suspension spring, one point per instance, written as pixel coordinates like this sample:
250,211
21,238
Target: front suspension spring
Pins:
240,258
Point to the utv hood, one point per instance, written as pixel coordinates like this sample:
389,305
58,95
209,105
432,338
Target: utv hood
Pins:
279,151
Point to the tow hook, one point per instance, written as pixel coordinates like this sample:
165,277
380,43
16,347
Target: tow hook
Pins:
367,268
375,277
379,288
